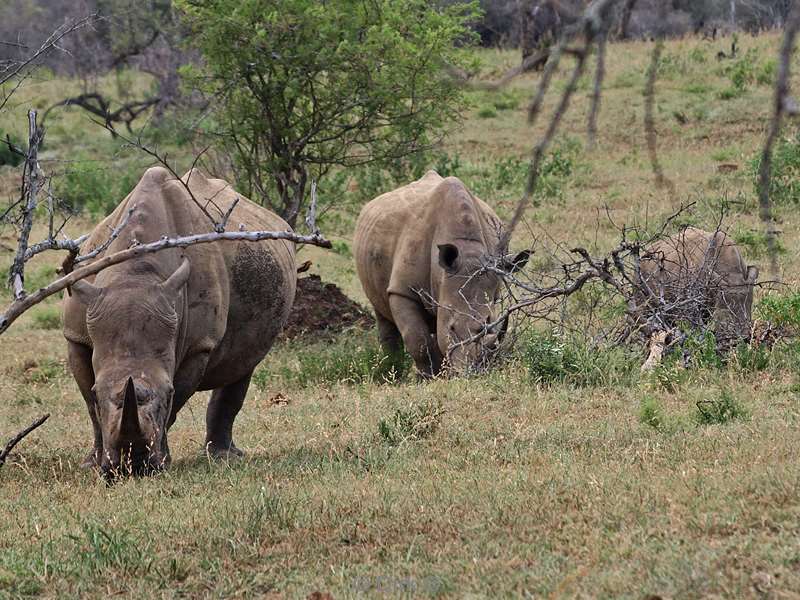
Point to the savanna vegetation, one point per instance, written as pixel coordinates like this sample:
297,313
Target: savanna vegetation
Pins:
562,472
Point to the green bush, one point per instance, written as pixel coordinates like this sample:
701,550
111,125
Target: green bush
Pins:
96,187
780,310
487,112
720,410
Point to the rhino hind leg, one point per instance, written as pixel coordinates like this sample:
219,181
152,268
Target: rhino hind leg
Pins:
79,358
222,409
419,336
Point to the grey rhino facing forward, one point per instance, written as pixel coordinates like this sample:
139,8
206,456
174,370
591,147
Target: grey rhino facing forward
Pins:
148,333
419,252
697,277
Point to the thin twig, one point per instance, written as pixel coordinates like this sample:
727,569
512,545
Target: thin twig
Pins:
20,436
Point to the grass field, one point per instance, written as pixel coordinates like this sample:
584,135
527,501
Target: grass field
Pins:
600,483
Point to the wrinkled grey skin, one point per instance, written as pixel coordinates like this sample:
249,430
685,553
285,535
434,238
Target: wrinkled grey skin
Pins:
418,252
144,335
705,266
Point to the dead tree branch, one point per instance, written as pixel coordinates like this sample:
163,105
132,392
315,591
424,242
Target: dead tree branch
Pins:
782,105
20,305
20,436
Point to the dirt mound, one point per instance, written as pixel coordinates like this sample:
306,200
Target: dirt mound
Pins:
323,308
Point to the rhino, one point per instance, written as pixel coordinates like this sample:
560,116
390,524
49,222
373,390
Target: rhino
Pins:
146,334
696,277
419,254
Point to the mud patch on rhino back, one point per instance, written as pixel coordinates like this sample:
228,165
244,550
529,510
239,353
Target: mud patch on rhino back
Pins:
257,286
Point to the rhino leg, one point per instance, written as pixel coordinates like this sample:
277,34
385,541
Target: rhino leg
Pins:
419,336
79,358
222,409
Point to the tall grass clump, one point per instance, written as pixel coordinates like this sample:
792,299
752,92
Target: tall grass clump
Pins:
552,357
349,358
785,181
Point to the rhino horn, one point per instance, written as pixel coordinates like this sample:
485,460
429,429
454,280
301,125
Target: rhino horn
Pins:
85,292
129,423
177,280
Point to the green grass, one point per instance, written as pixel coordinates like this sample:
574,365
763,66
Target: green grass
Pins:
563,473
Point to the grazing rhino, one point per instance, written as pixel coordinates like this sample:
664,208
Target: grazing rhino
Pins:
148,333
697,277
419,252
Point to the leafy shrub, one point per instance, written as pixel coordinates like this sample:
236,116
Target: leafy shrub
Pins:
701,348
341,248
720,410
95,187
416,422
752,358
487,112
553,358
505,102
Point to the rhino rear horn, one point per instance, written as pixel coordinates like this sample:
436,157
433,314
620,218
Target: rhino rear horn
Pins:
177,280
85,292
129,422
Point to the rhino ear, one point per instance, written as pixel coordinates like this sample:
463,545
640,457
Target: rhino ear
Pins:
752,274
85,292
519,261
448,257
177,280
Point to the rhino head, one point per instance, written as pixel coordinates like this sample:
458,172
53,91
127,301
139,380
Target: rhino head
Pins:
733,306
133,325
466,302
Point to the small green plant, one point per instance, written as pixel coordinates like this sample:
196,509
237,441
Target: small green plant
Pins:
751,358
487,112
767,72
651,413
47,317
416,422
506,102
701,348
720,410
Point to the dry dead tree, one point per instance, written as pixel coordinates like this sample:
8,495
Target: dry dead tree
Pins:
20,436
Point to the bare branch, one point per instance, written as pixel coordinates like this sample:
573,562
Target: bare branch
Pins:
20,436
781,103
20,305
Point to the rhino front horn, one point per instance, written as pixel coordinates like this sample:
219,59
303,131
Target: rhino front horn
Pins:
129,424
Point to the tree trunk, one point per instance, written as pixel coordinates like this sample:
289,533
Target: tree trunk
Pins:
625,21
291,185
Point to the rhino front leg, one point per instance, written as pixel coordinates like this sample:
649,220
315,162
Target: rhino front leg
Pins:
79,358
222,409
418,335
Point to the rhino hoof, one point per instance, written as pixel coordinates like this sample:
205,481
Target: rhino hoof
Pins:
230,453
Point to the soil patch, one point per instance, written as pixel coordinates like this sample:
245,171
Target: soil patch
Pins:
323,308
